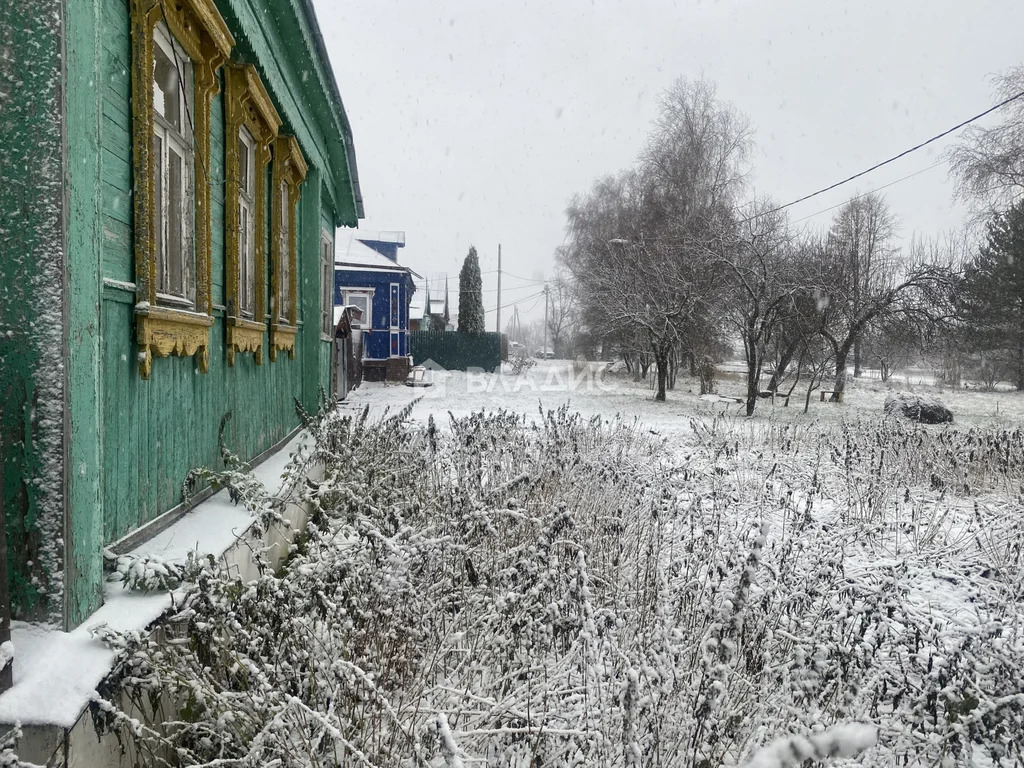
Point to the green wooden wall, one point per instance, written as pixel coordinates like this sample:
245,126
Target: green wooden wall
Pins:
134,441
32,305
155,431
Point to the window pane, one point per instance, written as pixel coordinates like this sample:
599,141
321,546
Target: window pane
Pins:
244,276
166,87
175,221
244,166
160,216
285,251
362,301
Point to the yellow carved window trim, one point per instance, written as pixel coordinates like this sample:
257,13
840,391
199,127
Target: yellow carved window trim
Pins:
289,170
199,29
247,106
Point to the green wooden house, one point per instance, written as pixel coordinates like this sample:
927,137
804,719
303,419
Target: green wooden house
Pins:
172,174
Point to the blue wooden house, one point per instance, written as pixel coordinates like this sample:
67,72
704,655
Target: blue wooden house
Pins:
368,276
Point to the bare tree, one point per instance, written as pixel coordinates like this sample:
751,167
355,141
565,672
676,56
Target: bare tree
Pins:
891,343
815,356
640,244
988,163
804,316
861,240
915,297
561,315
765,282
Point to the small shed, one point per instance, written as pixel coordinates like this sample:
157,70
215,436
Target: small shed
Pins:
348,352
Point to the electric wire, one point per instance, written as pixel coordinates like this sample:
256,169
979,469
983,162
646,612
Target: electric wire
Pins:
876,166
517,301
869,192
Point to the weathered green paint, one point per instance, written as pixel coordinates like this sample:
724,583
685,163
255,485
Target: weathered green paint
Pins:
66,188
155,431
115,132
84,570
32,303
309,286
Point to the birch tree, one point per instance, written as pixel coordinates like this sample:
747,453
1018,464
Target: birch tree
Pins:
641,244
861,238
988,163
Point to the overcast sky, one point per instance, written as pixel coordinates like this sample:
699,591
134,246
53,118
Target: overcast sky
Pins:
475,121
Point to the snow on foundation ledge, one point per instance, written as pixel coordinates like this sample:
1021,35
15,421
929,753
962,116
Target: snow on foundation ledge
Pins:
56,673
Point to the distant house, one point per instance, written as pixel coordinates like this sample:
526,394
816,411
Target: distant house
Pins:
440,317
368,276
419,314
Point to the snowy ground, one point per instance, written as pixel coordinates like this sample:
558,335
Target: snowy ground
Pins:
595,390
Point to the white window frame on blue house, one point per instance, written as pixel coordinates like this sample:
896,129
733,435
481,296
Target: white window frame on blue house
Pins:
346,300
395,297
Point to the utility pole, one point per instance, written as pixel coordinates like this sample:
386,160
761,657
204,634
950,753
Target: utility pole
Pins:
497,325
545,347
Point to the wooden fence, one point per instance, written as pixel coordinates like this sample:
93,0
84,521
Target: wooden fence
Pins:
455,351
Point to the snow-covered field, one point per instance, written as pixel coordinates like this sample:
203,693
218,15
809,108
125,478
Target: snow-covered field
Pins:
552,383
582,576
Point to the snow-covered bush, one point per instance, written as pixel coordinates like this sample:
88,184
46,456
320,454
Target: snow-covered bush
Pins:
8,744
521,361
568,592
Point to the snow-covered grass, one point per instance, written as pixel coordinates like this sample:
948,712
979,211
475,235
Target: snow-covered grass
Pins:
552,383
672,586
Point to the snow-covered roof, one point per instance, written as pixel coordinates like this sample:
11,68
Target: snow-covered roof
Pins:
437,306
338,310
352,252
418,303
390,236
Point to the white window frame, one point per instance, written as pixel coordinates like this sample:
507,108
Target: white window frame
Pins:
246,222
181,142
326,284
392,289
395,289
284,293
366,323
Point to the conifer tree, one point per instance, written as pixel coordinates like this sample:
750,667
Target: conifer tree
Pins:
471,299
992,293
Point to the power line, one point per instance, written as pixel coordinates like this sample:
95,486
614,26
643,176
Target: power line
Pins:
869,192
876,166
517,301
515,287
517,277
536,302
509,274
